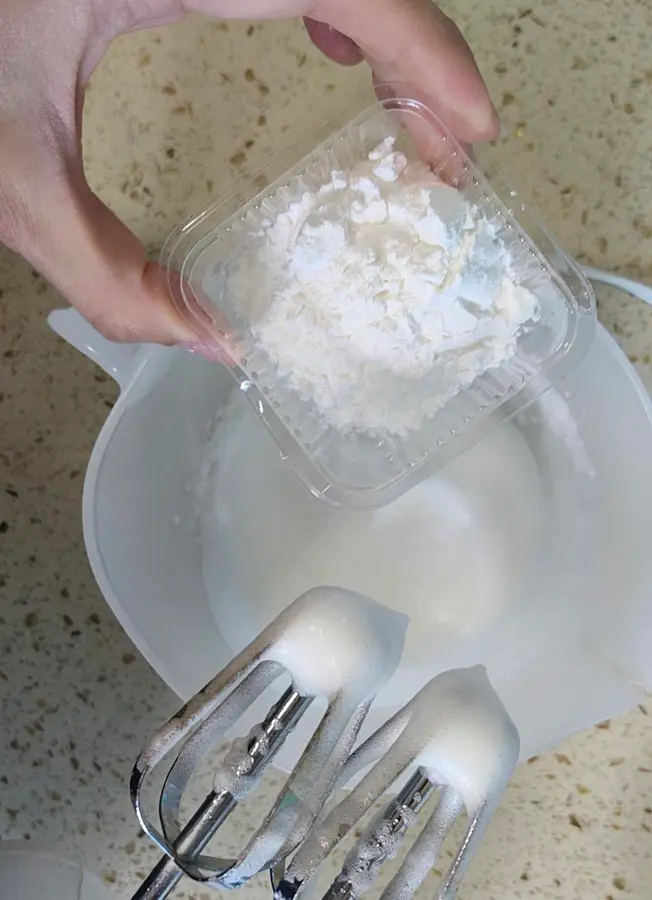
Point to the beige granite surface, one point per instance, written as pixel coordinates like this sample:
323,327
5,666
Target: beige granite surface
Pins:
172,117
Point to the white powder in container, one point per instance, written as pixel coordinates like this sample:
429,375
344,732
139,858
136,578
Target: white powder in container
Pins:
378,296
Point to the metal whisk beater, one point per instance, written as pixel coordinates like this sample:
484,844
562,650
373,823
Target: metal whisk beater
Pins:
458,735
364,641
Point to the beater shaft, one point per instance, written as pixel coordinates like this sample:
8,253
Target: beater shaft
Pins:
165,875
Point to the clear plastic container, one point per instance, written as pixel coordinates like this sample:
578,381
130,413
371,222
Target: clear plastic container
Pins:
365,467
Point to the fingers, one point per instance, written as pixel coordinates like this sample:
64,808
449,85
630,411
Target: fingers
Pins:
49,214
412,42
100,266
405,41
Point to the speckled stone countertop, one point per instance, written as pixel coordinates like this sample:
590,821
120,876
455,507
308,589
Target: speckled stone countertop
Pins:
172,117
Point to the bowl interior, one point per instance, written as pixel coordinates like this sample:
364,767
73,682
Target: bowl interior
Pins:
527,553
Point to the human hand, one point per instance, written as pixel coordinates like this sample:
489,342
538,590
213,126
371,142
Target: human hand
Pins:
48,50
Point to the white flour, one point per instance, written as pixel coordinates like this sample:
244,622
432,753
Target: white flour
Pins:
378,296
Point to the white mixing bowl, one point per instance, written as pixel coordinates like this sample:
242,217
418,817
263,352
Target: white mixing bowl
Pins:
31,871
573,650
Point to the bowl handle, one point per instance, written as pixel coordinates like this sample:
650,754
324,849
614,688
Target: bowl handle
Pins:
120,361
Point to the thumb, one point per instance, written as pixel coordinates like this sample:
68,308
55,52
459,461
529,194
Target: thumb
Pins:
51,217
100,266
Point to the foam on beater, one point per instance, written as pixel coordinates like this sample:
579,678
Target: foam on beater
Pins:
456,728
467,738
340,641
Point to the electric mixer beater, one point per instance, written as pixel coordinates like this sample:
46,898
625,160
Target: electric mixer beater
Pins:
454,739
457,736
332,643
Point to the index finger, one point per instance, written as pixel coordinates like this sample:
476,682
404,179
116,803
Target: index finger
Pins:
412,43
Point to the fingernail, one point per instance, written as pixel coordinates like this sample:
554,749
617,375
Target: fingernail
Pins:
486,121
477,121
